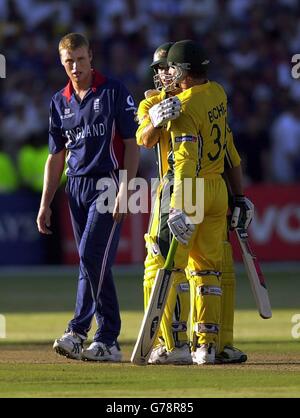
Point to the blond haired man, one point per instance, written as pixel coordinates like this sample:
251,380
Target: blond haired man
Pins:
92,123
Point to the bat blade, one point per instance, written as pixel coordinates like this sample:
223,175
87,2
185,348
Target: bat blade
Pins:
255,276
152,318
155,310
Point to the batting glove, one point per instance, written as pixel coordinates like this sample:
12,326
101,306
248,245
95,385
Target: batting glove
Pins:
242,212
180,226
165,111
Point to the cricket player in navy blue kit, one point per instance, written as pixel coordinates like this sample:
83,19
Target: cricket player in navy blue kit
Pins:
92,128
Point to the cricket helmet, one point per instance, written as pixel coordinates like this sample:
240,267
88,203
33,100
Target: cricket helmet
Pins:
160,61
187,57
160,55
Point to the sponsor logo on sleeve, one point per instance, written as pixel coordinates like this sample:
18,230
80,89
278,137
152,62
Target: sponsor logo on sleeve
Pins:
131,104
186,138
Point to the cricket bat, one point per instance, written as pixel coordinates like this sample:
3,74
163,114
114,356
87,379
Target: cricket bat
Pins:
155,310
255,276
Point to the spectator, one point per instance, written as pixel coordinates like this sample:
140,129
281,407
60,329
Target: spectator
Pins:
251,44
9,179
286,145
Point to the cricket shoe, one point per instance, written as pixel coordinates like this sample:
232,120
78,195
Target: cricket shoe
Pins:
204,354
230,355
180,355
69,345
99,351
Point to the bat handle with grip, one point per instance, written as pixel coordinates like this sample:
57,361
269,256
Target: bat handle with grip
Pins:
171,254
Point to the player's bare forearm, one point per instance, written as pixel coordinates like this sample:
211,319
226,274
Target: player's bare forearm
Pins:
52,175
234,178
150,135
53,171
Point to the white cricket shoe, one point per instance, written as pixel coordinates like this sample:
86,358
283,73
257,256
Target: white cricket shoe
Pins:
69,345
231,355
204,354
180,355
99,351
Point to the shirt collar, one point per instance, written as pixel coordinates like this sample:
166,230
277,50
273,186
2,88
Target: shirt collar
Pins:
97,80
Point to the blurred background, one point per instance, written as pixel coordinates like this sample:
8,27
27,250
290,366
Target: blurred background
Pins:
250,43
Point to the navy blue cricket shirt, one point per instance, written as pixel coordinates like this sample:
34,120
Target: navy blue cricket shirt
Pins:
94,130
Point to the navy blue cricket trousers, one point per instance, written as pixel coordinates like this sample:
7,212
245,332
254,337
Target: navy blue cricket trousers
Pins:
97,237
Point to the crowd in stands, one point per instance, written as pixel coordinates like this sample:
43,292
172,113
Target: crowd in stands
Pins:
250,44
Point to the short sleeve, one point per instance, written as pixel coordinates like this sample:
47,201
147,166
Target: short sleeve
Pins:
125,114
143,119
143,114
56,139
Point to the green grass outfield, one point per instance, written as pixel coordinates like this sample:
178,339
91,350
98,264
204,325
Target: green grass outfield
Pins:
37,309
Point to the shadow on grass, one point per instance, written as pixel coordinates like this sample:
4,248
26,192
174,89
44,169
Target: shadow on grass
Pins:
57,294
37,345
126,342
